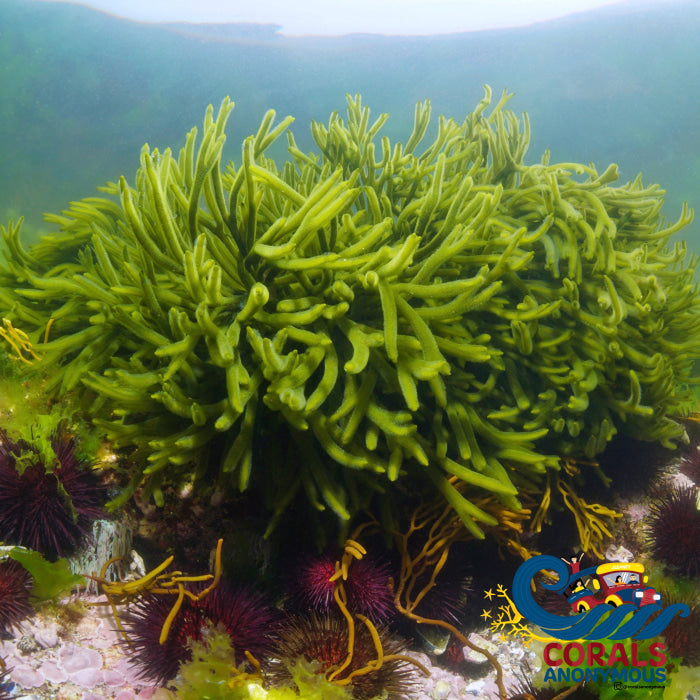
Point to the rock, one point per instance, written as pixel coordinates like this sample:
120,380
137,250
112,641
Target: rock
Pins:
69,694
618,553
74,658
105,637
87,677
47,637
130,671
108,539
479,641
124,695
476,688
441,691
113,678
52,673
636,512
146,694
26,676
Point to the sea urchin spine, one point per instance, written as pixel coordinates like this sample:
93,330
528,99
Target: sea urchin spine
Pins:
243,614
324,639
675,530
15,586
367,587
46,508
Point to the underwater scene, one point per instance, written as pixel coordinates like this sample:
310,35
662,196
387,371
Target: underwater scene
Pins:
359,366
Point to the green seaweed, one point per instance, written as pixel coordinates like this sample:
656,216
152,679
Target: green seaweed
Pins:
684,683
420,310
212,673
50,580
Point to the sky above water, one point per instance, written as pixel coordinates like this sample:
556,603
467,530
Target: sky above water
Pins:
337,17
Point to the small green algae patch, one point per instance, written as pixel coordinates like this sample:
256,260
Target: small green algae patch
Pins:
50,580
212,673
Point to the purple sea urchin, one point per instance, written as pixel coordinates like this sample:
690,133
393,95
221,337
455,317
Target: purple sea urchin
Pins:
310,583
367,586
143,622
690,463
324,639
15,585
46,509
244,615
675,530
523,688
682,637
369,591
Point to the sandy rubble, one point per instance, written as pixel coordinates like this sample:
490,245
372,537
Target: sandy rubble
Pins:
85,661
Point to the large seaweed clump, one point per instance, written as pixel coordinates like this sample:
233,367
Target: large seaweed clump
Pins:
366,313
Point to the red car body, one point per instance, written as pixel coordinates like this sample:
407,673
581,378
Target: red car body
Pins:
615,584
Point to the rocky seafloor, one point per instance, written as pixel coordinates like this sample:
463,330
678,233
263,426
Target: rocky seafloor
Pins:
73,651
85,661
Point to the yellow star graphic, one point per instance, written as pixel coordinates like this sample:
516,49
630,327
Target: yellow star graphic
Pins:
488,594
486,614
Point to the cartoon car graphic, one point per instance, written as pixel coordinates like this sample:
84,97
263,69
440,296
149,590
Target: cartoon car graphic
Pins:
583,599
614,583
623,582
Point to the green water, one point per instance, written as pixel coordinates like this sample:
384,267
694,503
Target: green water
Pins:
82,91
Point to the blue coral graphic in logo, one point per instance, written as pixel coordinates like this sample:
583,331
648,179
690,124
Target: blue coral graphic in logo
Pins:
612,591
